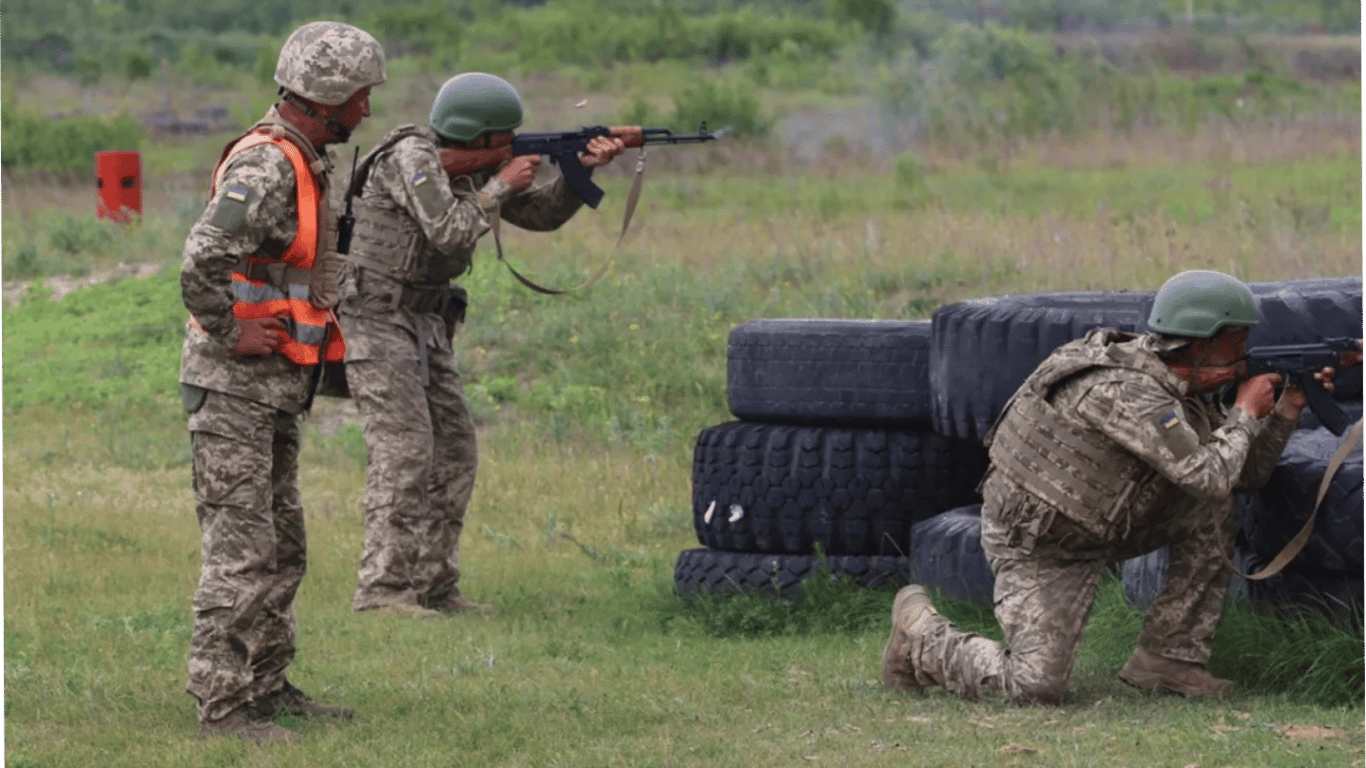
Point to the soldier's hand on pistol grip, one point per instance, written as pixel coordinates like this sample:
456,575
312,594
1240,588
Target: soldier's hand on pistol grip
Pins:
601,150
520,171
1293,401
260,336
1257,395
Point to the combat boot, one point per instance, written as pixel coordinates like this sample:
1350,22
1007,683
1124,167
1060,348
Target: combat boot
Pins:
246,725
1154,673
912,604
292,701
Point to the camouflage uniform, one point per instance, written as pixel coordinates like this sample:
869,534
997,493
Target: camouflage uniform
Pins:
416,230
245,438
1162,471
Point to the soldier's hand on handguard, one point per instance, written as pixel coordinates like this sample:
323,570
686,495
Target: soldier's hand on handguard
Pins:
520,171
601,150
1257,395
260,336
1349,359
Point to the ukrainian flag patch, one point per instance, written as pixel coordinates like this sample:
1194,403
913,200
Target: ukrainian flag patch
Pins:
420,178
1168,420
230,213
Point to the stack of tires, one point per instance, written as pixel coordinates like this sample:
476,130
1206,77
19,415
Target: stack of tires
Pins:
831,462
858,442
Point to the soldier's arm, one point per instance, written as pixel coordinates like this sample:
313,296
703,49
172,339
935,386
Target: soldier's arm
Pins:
253,211
412,175
1266,451
544,206
1153,427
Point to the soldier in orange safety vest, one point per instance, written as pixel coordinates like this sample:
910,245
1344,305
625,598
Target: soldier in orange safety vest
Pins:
257,281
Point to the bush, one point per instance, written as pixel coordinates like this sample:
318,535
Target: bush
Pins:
874,16
417,28
733,107
137,62
72,235
67,145
570,32
639,111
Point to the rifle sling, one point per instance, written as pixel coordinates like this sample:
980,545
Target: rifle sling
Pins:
637,183
1293,547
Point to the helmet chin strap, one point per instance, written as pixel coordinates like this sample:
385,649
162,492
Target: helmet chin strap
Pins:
342,133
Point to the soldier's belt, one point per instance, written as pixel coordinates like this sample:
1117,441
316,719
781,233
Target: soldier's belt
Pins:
426,299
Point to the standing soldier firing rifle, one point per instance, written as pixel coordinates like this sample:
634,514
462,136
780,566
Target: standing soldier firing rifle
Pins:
416,229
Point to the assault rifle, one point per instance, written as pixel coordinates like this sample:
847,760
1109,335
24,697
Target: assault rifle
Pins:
563,148
1297,364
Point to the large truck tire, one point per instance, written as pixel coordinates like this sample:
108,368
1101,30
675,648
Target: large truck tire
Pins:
946,552
1144,576
1288,499
1305,311
830,372
981,350
710,571
782,489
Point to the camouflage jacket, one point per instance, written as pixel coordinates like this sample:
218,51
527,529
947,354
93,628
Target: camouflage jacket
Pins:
418,228
1134,443
263,220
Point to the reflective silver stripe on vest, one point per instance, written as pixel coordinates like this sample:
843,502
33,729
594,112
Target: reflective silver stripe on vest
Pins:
312,335
251,293
304,333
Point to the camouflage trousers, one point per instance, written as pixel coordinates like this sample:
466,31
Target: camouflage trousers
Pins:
422,461
252,551
1042,603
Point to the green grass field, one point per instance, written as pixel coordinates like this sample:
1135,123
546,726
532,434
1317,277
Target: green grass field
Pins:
588,407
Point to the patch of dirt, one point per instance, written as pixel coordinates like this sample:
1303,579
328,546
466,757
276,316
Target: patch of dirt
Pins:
61,285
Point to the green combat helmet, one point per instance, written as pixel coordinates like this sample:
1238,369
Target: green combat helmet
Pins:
328,61
472,104
1200,303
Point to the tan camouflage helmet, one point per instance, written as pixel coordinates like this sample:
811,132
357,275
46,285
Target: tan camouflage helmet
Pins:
328,61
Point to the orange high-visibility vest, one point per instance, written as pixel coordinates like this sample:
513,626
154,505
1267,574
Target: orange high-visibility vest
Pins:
308,327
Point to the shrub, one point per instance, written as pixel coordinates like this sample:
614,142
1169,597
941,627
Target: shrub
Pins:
65,145
417,28
874,16
72,235
734,107
137,62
